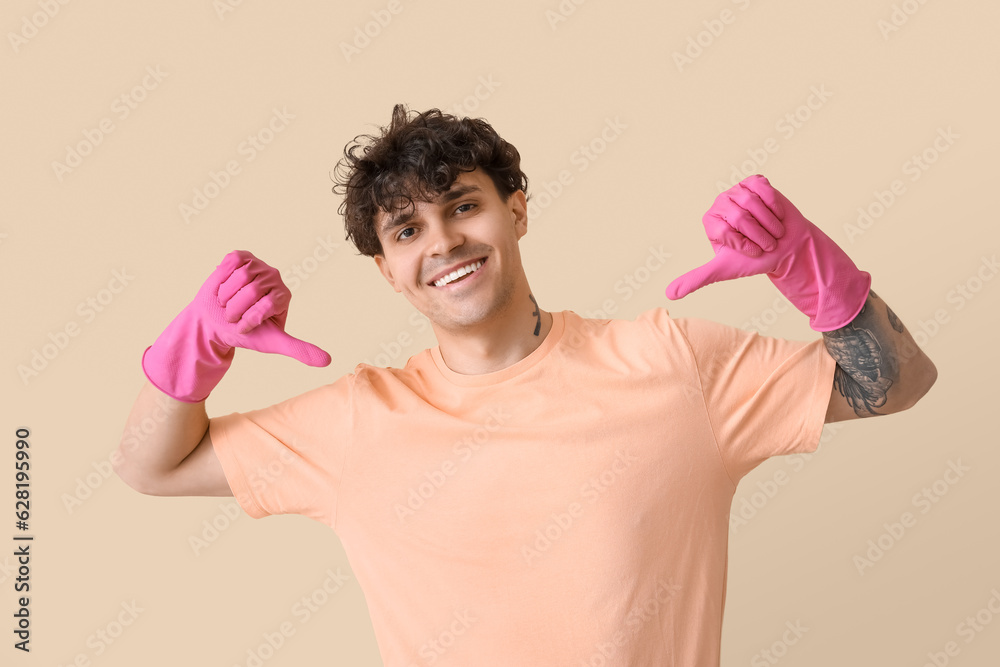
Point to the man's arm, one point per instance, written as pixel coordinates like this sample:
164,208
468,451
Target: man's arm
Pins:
166,449
880,369
755,229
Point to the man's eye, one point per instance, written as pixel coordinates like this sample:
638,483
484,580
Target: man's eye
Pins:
401,234
467,207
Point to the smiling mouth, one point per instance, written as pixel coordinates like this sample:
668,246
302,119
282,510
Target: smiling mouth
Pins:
460,274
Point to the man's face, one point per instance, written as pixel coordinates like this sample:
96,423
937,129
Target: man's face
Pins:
463,226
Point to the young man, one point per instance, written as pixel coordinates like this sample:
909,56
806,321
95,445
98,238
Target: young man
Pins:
538,488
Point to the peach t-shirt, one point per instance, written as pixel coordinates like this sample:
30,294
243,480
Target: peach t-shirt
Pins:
570,509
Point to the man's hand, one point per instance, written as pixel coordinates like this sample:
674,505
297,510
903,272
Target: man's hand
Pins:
755,229
244,304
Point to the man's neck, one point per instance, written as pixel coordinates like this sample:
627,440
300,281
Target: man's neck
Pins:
499,344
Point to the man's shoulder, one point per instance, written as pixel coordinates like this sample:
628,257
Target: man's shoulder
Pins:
621,335
601,321
656,326
417,364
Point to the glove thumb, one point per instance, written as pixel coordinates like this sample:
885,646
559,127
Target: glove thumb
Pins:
715,270
270,338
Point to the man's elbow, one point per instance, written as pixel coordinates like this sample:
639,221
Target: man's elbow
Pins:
133,478
922,378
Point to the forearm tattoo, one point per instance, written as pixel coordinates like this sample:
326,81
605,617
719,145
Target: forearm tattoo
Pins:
537,313
894,321
864,373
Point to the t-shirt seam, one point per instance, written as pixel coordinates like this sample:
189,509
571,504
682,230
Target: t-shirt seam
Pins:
823,391
708,413
438,363
348,448
242,477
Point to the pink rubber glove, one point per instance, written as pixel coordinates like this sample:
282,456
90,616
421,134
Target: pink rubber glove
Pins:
244,304
755,229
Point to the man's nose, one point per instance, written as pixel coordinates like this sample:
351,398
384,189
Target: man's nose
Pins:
445,237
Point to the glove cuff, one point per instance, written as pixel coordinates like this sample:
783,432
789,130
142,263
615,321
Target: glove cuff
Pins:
839,304
186,368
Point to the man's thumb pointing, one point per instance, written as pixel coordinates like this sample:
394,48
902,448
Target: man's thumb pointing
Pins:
695,279
269,337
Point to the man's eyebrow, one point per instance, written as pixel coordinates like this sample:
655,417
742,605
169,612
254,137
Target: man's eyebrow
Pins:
450,195
458,192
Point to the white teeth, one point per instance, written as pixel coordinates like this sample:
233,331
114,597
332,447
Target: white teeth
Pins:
458,273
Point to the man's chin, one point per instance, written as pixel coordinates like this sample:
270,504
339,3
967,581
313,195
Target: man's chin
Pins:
463,322
479,310
461,319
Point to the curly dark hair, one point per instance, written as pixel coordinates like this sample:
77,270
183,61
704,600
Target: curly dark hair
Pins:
417,158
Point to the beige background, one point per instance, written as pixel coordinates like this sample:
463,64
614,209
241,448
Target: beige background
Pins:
554,85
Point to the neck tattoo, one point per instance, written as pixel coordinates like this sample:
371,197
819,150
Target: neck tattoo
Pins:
538,314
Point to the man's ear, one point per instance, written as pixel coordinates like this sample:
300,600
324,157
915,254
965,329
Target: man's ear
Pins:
518,204
383,266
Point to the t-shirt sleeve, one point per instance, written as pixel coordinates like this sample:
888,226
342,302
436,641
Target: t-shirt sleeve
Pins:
288,458
764,396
